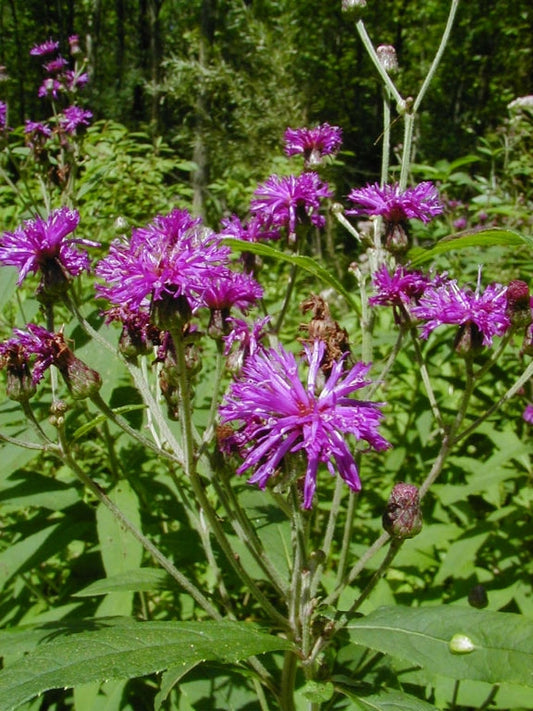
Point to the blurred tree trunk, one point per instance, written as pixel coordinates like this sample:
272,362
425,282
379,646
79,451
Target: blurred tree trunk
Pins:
92,37
121,41
200,157
20,72
150,54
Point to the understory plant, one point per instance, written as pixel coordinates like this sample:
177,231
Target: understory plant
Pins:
234,480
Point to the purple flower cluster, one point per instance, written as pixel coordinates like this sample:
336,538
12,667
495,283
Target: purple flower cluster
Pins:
436,300
313,143
61,79
43,244
174,256
285,202
276,414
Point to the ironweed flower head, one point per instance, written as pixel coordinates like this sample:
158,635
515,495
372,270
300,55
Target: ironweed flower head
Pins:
51,349
43,245
289,201
394,205
253,230
401,288
173,257
3,115
42,50
484,313
528,414
243,340
276,414
74,117
313,143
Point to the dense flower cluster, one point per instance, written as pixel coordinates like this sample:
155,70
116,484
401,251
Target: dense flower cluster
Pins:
174,256
313,143
276,415
44,245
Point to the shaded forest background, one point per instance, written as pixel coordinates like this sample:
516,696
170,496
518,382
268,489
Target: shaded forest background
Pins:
218,81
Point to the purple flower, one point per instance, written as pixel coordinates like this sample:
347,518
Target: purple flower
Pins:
277,415
401,288
313,143
55,66
36,129
243,340
75,80
173,256
43,245
41,50
253,231
528,414
286,202
449,304
74,117
420,203
231,289
51,349
3,115
50,88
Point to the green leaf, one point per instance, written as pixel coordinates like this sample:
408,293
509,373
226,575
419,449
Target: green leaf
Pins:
142,579
306,263
103,649
503,642
484,238
391,701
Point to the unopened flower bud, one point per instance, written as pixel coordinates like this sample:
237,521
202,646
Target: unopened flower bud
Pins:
387,58
81,380
518,303
402,517
468,340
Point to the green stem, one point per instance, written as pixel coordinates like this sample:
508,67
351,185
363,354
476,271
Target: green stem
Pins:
286,300
426,380
385,153
522,380
191,472
409,122
288,681
367,42
438,56
123,424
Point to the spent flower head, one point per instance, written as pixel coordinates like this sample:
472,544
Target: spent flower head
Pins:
276,414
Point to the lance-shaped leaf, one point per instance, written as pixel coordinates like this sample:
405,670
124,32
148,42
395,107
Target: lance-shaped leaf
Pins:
117,648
